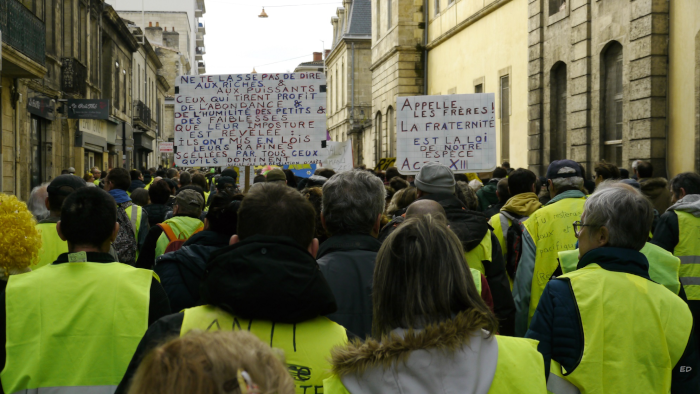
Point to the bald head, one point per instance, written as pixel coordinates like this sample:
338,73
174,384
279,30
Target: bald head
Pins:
425,207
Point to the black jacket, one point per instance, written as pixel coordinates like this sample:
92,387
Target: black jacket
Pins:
347,263
263,278
158,302
181,271
471,227
156,213
136,184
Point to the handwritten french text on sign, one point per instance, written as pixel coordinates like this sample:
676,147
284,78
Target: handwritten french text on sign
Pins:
457,130
250,119
339,156
166,147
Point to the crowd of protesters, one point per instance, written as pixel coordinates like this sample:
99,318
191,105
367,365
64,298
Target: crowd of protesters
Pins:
184,281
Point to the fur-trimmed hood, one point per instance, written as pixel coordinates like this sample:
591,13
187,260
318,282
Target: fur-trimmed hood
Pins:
453,356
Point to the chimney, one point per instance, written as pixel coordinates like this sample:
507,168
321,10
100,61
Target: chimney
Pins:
171,39
318,56
325,55
154,34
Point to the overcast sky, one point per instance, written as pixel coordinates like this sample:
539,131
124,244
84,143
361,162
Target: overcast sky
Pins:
237,40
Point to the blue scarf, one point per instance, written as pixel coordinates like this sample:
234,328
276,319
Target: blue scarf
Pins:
120,196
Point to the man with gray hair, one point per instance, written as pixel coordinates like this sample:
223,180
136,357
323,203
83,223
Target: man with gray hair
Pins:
351,213
37,202
545,233
607,327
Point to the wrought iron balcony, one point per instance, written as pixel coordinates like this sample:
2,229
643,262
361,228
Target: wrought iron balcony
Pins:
142,115
22,30
73,77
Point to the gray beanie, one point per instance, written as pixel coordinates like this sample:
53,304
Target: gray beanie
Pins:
435,178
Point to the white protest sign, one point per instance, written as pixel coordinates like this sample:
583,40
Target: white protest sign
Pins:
166,147
456,130
250,119
339,156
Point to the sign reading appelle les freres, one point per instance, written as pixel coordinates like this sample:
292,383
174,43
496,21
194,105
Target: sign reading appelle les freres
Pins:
456,130
250,119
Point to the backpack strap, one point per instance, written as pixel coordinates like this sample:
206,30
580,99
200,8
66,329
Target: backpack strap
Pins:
168,231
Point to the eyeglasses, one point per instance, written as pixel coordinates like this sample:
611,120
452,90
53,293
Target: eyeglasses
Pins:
578,227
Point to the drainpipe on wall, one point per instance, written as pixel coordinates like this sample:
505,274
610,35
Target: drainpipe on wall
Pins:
17,99
425,47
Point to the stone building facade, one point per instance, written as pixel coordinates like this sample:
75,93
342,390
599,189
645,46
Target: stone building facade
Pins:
397,69
350,79
598,82
67,49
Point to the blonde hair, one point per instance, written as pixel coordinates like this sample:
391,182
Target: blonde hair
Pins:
20,241
210,362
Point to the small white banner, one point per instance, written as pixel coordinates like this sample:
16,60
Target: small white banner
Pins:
166,147
339,156
456,130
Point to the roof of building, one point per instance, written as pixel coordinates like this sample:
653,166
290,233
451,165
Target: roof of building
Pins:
311,64
360,20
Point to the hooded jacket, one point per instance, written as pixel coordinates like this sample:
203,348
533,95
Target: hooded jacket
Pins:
487,194
136,184
455,356
181,271
657,191
261,278
471,227
156,213
666,231
347,263
667,236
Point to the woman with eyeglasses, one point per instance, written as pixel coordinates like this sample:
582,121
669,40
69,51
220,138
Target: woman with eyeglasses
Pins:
606,326
433,333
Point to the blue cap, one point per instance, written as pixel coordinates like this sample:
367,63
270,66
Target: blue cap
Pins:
556,166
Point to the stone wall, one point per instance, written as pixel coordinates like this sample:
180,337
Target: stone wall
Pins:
578,37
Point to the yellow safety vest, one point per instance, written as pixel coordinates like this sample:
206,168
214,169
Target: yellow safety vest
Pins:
663,266
501,224
477,279
552,231
135,213
183,227
480,253
617,359
52,245
206,198
688,250
307,346
517,359
74,325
